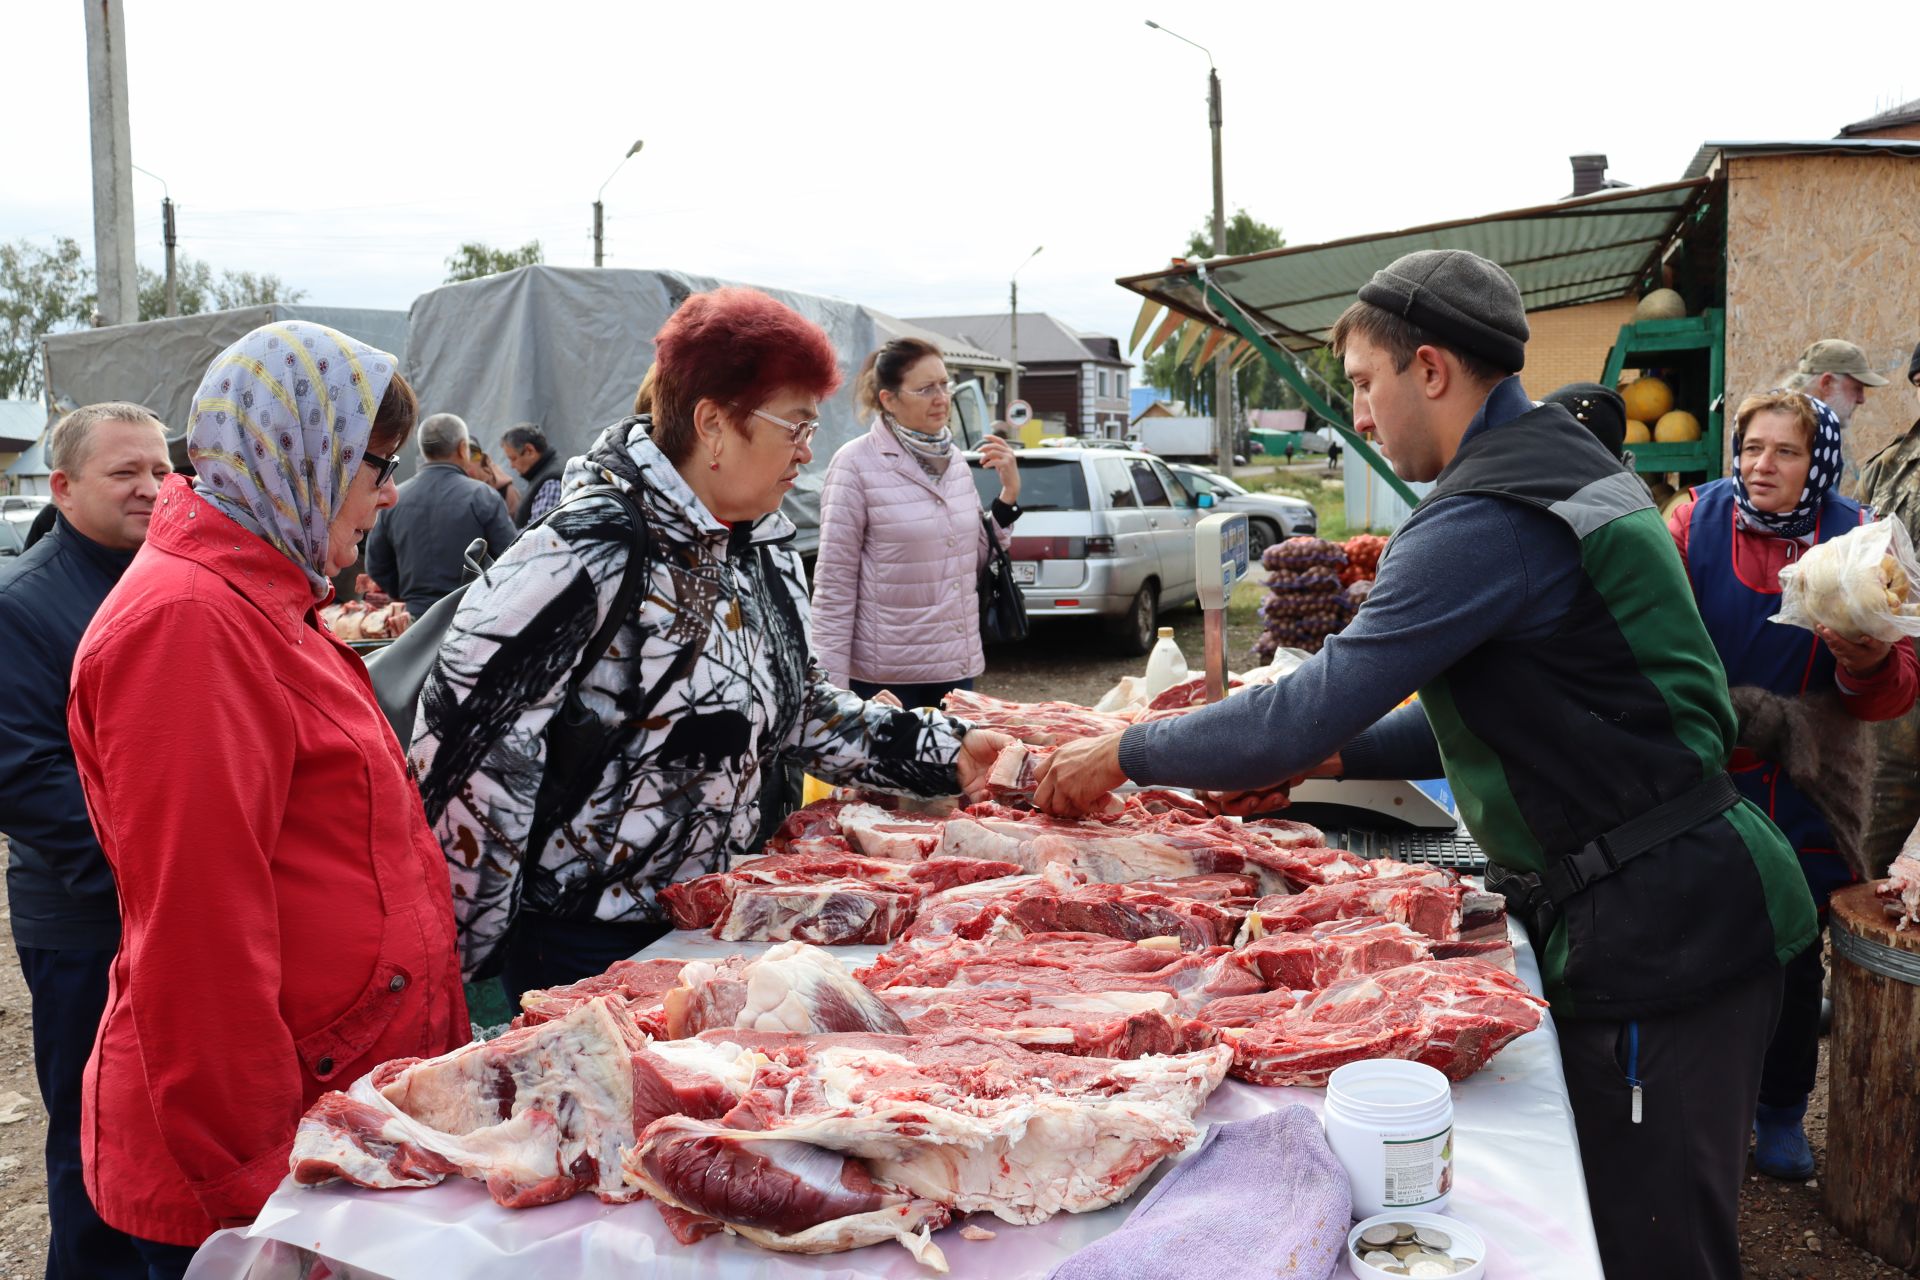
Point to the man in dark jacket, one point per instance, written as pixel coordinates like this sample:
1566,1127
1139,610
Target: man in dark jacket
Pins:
1570,690
414,550
525,446
108,462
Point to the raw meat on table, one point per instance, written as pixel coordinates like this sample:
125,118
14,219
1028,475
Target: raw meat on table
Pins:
977,1123
1119,911
538,1114
1044,724
783,1195
792,988
1056,962
825,913
643,984
1453,1015
1431,900
1327,953
880,833
1100,1024
703,901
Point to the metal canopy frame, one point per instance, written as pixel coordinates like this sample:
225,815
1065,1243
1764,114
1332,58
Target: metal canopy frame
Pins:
1284,301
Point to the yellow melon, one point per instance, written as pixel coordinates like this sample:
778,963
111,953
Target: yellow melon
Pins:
1647,399
1661,304
1677,427
1637,432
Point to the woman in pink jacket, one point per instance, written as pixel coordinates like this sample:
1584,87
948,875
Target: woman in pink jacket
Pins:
902,538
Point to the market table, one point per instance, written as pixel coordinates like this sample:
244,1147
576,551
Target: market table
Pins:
1516,1177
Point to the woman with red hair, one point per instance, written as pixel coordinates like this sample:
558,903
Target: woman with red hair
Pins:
705,691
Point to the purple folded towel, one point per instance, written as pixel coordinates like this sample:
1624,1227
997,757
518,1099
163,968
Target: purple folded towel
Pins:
1266,1192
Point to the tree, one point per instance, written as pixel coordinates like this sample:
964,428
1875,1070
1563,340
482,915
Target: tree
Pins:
42,291
474,259
1255,385
197,290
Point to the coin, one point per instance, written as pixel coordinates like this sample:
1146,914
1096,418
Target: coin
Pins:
1429,1268
1404,1250
1434,1238
1381,1235
1378,1258
1403,1230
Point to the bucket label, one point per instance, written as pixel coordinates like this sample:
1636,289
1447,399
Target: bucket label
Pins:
1417,1170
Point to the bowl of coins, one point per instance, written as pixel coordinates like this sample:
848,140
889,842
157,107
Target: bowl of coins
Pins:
1415,1244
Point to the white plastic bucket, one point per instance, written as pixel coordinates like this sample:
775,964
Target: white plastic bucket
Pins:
1391,1125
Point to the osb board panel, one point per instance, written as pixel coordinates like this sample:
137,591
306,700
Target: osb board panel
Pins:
1824,247
1570,344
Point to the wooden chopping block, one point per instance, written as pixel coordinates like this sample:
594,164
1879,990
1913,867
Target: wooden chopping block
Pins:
1871,1182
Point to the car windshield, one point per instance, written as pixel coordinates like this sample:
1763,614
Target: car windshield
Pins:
1046,484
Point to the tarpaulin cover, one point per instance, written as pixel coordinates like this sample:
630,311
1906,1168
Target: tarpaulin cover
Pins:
159,363
565,349
1517,1179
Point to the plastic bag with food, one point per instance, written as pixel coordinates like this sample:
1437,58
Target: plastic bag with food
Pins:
1859,584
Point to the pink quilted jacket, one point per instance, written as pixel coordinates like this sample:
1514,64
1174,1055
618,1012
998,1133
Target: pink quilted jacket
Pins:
894,595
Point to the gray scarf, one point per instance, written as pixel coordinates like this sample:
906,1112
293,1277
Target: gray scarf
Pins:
932,452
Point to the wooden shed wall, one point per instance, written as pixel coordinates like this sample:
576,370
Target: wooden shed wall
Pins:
1824,246
1570,344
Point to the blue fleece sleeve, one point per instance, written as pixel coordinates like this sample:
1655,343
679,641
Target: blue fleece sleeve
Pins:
1467,570
1399,745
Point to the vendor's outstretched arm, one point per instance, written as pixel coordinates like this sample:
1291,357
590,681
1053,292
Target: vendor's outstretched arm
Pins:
1464,573
1399,745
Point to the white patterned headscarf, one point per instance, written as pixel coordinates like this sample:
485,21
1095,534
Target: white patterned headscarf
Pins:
1823,468
279,426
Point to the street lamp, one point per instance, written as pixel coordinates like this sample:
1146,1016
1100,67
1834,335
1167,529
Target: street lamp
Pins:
1222,369
167,235
598,223
1013,291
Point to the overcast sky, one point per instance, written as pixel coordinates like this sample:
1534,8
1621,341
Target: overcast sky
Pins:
904,156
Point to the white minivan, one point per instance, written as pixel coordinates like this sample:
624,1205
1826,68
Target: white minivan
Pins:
1104,533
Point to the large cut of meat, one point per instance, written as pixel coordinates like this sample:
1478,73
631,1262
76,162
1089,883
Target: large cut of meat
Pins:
1120,911
1430,900
1453,1015
826,913
643,984
978,1124
1044,724
1110,854
704,901
1057,962
1328,953
899,837
1013,774
1101,1024
792,988
538,1114
789,1196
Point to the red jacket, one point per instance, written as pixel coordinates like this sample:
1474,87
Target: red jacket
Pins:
1758,558
285,913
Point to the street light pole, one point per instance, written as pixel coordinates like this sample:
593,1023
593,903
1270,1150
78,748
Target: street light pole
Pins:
1222,364
599,221
167,236
1013,293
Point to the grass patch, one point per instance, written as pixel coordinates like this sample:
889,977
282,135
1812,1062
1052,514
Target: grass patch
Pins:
1327,493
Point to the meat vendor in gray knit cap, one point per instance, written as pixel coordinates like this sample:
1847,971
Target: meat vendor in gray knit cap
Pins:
1571,693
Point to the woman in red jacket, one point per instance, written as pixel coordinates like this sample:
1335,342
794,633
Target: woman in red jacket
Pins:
1735,536
286,917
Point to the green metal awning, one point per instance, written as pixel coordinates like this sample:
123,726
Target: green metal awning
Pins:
1563,254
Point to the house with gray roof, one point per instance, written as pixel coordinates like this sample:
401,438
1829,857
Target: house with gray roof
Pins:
1073,379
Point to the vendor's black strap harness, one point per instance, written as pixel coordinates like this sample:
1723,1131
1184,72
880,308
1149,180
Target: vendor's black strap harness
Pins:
1537,899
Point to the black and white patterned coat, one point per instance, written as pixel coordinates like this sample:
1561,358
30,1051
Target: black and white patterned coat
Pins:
681,793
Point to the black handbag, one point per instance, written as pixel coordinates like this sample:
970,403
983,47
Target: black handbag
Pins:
399,671
1003,610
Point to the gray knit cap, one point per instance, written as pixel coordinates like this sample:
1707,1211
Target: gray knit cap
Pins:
1459,297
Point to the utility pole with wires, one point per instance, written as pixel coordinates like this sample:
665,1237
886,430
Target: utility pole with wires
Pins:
115,274
1222,364
599,219
168,237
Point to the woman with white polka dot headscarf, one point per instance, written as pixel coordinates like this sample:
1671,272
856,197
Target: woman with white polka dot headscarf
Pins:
1736,535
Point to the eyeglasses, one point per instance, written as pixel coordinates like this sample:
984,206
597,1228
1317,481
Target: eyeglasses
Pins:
387,466
944,390
801,432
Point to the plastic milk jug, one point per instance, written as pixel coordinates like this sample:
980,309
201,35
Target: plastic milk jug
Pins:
1166,666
